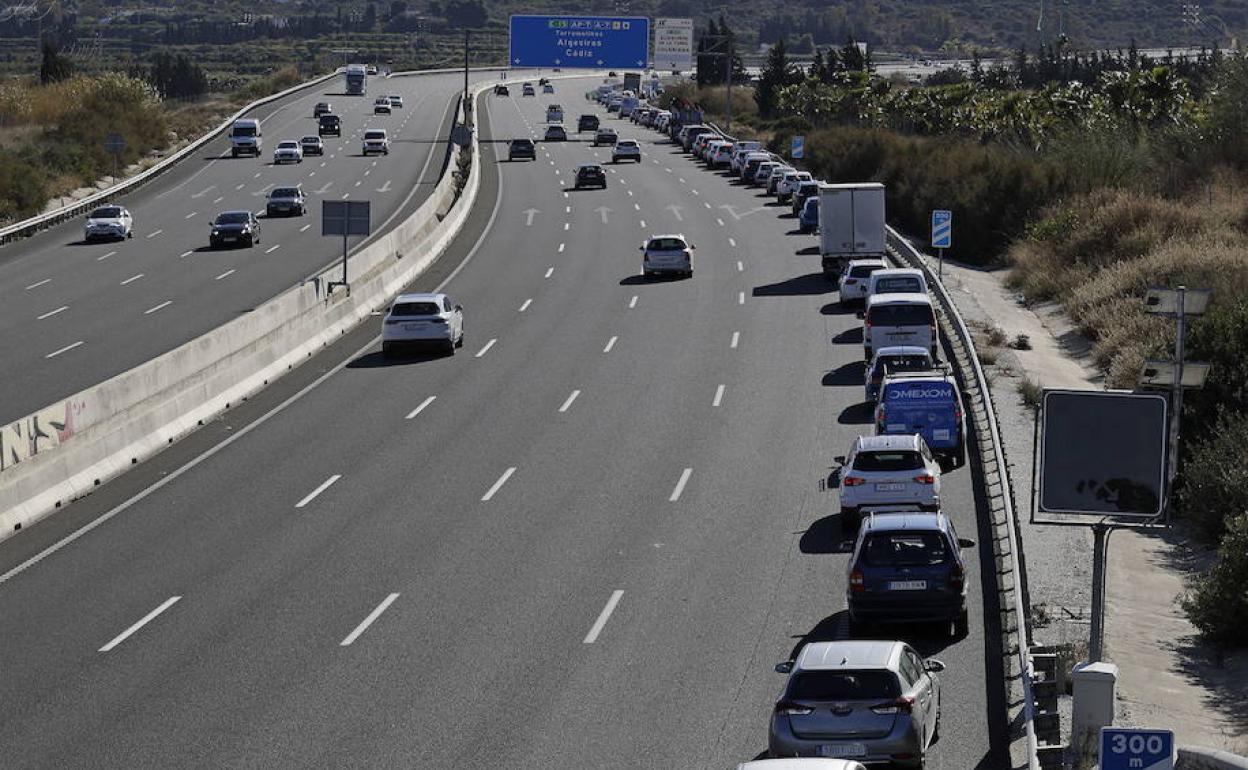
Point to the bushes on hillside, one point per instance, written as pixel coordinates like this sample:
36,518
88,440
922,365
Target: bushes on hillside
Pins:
1216,601
1215,477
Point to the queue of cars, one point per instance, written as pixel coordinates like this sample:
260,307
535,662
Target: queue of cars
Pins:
864,702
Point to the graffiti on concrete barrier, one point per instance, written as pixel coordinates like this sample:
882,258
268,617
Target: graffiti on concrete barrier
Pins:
39,432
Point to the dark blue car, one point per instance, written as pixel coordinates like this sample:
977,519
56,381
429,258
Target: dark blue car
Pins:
907,567
926,403
808,220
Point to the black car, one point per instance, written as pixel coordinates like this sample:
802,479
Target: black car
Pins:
587,123
234,228
289,201
501,90
521,148
591,175
321,108
329,125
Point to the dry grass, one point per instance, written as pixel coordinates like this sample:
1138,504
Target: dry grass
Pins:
1098,255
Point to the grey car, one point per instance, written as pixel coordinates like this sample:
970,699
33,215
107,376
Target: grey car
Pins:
287,201
875,702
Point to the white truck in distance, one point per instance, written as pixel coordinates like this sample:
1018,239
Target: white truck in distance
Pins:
851,224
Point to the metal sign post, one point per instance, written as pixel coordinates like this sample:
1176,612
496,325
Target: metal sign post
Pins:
344,218
115,145
942,236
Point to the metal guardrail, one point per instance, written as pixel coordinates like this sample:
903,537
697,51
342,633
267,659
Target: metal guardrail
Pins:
913,257
1025,673
41,221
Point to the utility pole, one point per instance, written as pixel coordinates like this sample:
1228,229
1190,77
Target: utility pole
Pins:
467,104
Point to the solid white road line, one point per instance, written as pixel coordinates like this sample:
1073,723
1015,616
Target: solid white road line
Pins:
680,485
498,485
148,618
736,338
37,285
550,271
719,396
632,303
368,621
132,279
105,256
161,306
610,344
740,298
154,233
487,347
51,313
525,305
326,484
226,274
420,408
56,353
568,403
603,617
273,248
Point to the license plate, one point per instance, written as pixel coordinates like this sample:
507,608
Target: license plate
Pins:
940,435
889,487
843,750
907,585
413,327
229,238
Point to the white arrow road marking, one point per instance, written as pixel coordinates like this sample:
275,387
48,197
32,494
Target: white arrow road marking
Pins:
529,214
385,187
602,212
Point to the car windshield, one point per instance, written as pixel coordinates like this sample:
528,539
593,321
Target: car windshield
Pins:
106,212
374,134
893,460
862,271
288,145
901,315
285,192
843,685
407,309
895,364
233,218
905,548
902,284
244,131
666,244
628,143
311,140
522,142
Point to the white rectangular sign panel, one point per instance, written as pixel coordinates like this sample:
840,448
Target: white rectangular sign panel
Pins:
673,44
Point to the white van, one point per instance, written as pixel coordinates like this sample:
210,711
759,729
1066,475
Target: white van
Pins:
245,137
897,280
899,319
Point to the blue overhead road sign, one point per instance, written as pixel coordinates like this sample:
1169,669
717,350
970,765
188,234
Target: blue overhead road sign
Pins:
1124,749
579,41
942,229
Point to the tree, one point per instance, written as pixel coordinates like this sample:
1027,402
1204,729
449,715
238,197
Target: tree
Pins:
1215,601
53,67
777,73
466,14
370,17
853,57
176,77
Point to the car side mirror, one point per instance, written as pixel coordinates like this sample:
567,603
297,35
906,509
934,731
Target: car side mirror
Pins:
933,666
785,667
965,543
839,459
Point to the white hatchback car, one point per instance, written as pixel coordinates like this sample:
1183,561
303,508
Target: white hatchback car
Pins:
667,254
288,151
887,470
789,184
415,319
108,222
854,280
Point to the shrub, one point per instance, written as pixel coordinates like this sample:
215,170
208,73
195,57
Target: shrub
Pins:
1216,601
1215,477
1031,393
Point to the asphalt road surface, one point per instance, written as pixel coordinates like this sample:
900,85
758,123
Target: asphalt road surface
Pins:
74,314
583,541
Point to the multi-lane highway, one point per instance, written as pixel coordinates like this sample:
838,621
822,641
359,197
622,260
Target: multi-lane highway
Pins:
583,541
74,314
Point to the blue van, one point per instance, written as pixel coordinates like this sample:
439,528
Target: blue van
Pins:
926,403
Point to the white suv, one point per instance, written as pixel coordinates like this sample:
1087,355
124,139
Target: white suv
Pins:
789,184
856,278
108,221
375,140
626,149
423,318
667,254
887,470
288,151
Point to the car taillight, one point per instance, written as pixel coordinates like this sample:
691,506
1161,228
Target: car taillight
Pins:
856,582
926,478
853,481
957,577
788,708
902,705
850,281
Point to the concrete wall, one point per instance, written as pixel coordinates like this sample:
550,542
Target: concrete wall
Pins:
1196,758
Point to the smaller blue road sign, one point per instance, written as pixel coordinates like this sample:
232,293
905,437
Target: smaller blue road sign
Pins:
942,229
797,146
579,41
1126,749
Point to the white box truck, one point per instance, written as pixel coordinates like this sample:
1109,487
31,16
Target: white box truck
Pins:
851,224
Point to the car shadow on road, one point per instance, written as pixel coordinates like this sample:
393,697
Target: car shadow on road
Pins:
849,337
852,373
807,251
802,285
826,536
837,308
375,359
856,414
642,280
833,628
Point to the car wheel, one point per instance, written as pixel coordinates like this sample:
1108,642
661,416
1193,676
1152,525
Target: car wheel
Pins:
961,625
959,457
386,350
129,233
858,629
450,347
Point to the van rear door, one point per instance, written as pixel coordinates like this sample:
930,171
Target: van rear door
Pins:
927,407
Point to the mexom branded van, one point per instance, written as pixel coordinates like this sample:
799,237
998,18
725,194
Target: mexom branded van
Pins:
928,404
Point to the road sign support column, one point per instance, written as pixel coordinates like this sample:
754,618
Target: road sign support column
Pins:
1181,321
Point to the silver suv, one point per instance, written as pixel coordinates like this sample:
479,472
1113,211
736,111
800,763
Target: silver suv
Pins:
884,471
872,702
